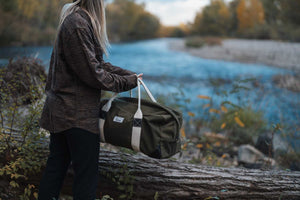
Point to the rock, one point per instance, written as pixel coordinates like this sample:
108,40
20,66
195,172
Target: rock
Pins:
280,144
289,82
264,144
250,157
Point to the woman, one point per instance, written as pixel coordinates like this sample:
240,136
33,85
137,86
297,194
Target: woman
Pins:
77,74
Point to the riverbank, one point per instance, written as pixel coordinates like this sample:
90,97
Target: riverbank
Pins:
272,53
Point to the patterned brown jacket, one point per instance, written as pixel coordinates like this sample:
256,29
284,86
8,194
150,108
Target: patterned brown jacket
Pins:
77,74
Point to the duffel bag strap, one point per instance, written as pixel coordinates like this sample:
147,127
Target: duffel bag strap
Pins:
137,123
147,90
103,115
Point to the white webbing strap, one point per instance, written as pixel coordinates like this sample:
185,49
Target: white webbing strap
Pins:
148,91
137,123
102,119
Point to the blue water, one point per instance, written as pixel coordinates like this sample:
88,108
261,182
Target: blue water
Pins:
168,73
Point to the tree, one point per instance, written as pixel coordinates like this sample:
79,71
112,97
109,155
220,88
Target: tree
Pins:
31,22
272,11
290,11
146,26
250,13
213,20
127,20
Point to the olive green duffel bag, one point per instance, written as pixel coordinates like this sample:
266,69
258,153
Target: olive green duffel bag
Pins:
141,125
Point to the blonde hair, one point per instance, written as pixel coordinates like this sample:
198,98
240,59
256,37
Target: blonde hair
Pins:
96,11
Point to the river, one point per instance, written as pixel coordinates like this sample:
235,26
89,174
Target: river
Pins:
180,78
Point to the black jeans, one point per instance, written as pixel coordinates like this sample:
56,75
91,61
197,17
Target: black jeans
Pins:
82,148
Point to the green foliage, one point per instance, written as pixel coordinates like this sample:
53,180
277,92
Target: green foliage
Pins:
127,20
252,124
213,20
29,22
290,160
20,137
107,197
197,42
254,19
194,42
238,120
123,180
33,22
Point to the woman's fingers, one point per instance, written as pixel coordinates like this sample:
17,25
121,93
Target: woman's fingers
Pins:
140,75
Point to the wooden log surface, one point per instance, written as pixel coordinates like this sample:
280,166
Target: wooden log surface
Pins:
173,180
168,179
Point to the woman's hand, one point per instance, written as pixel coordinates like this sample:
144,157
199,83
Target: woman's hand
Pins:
140,75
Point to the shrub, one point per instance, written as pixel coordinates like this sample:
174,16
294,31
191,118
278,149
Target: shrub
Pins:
194,42
289,160
262,31
239,121
21,140
212,41
240,125
197,42
18,78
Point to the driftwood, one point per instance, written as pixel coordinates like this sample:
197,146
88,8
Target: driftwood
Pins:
169,179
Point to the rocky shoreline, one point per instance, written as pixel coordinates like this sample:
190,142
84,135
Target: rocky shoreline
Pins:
272,53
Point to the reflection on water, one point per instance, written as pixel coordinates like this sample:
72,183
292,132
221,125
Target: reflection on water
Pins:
168,72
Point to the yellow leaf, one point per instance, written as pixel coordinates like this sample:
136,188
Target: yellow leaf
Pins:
182,131
206,105
224,109
14,184
199,146
224,156
239,122
184,146
203,97
207,146
223,125
191,114
35,195
212,110
217,144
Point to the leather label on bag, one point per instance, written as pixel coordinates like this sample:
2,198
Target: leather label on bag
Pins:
118,119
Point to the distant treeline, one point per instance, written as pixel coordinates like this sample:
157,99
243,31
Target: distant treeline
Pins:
29,22
34,22
260,19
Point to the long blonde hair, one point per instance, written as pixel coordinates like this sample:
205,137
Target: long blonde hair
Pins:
96,11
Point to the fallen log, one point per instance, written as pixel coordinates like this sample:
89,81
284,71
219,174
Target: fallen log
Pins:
168,179
140,178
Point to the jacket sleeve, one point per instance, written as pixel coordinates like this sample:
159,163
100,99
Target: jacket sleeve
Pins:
116,70
80,55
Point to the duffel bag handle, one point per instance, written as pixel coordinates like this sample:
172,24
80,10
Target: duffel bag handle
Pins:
147,90
138,117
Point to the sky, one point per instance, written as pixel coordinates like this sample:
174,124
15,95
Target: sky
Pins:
174,12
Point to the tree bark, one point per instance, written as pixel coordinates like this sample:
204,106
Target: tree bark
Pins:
173,180
169,179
